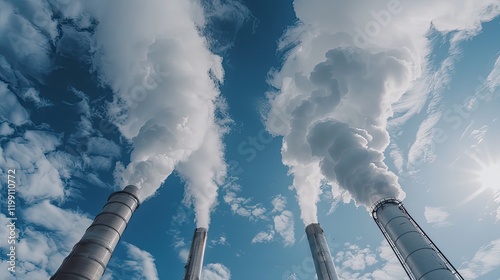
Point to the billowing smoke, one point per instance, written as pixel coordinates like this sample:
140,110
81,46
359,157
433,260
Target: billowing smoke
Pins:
347,64
165,79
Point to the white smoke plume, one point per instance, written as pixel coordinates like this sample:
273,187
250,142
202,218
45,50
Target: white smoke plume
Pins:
165,79
347,63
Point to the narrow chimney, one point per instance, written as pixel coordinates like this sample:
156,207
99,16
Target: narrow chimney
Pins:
320,253
196,254
420,258
90,256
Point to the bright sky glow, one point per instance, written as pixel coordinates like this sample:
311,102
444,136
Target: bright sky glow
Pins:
489,177
252,118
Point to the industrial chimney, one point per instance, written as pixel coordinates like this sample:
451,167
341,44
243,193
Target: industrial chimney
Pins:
91,254
321,253
196,253
421,259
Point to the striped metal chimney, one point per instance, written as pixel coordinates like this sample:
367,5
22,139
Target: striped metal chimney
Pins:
323,262
420,257
90,256
196,254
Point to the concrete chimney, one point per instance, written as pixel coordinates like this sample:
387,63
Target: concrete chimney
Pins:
321,253
421,259
196,254
90,256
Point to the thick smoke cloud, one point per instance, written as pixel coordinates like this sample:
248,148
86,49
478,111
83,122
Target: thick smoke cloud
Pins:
165,80
347,65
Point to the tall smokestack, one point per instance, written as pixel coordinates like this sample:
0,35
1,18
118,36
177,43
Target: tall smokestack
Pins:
196,253
321,253
421,259
90,256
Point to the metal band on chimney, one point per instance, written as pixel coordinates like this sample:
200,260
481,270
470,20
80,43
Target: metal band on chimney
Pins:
196,254
90,256
420,257
323,262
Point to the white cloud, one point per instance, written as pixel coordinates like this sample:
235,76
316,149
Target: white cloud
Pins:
48,234
27,38
99,153
355,262
44,140
108,275
497,200
180,216
66,164
36,173
487,89
140,265
179,244
10,108
62,221
103,147
391,269
156,106
437,216
33,95
184,255
478,134
279,203
221,240
263,237
226,11
397,157
433,82
493,79
215,271
204,173
284,225
324,84
242,206
486,259
423,148
165,79
5,129
355,258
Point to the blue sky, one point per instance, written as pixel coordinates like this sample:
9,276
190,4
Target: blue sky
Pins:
228,114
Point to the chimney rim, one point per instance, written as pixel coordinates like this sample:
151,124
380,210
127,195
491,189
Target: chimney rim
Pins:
131,190
380,203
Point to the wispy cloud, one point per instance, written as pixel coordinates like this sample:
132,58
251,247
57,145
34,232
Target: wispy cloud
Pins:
61,221
242,206
10,108
34,168
263,237
6,129
48,234
391,269
32,95
179,244
221,240
485,260
437,216
283,224
140,265
279,203
493,79
355,262
356,258
497,200
215,271
397,157
423,148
